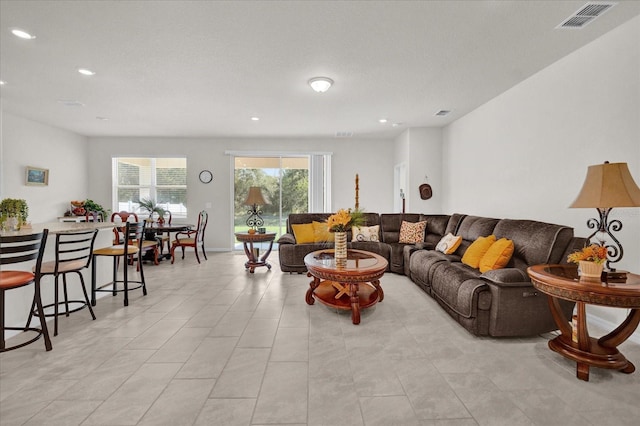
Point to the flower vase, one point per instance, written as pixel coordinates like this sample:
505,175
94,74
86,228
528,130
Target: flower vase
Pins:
590,270
340,246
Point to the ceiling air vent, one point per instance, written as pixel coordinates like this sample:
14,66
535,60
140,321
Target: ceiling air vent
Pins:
442,113
586,14
344,134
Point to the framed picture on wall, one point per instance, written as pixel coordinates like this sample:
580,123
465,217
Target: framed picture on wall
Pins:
36,176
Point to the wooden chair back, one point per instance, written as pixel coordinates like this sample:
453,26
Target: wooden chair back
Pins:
203,218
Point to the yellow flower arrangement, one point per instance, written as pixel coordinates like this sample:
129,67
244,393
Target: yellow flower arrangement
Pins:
593,253
344,219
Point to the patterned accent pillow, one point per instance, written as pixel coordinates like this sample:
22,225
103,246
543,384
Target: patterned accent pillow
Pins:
365,233
449,243
411,233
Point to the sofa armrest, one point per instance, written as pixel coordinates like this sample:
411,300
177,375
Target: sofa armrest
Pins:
287,239
507,276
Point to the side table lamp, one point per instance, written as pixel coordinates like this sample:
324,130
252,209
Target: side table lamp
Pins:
254,199
607,186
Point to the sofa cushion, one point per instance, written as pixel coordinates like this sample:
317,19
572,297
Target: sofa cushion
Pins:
390,224
477,249
472,227
365,233
303,232
321,232
448,244
457,286
498,255
535,242
411,233
301,218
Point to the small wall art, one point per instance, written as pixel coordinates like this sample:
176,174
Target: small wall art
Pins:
37,176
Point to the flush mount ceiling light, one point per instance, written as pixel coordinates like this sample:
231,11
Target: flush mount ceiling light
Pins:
2,83
22,34
320,84
85,71
382,120
255,118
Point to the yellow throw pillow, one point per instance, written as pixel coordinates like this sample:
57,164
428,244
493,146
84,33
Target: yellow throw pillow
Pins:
321,232
476,250
449,244
411,233
303,232
497,256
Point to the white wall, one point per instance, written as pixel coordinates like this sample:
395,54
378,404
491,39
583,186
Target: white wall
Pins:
349,157
29,143
525,153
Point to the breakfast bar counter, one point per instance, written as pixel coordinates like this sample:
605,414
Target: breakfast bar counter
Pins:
58,227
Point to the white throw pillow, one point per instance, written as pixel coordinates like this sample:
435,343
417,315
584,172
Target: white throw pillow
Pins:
365,233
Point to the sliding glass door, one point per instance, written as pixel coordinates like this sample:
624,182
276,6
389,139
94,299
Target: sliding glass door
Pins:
284,182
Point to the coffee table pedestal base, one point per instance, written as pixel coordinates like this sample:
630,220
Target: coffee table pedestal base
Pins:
356,297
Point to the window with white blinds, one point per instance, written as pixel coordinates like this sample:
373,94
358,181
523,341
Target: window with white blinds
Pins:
163,180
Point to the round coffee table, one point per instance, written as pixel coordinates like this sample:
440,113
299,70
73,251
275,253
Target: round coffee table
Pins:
563,282
352,287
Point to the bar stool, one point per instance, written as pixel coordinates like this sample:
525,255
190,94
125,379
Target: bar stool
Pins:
131,248
17,249
73,254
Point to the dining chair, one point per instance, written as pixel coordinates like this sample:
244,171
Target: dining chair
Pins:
192,238
17,249
165,237
130,248
73,254
124,217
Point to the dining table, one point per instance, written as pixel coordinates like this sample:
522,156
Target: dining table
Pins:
156,231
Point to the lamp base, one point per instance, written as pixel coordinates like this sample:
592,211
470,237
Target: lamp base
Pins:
616,276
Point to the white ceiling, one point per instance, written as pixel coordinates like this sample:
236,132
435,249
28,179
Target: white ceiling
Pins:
203,68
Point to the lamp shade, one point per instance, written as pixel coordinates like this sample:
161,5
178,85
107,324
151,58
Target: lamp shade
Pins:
254,197
608,185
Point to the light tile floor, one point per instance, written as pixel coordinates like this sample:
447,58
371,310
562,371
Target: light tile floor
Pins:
214,345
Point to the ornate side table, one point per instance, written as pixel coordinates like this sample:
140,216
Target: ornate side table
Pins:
254,261
563,282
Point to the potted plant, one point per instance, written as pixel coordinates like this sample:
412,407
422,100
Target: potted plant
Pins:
151,207
91,207
590,260
14,213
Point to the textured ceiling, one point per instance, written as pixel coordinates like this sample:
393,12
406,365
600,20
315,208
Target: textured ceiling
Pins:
203,68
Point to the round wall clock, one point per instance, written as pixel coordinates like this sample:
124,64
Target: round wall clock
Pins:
205,176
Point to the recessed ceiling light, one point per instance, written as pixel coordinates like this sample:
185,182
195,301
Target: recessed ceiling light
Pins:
2,83
255,118
383,120
396,124
22,34
320,84
442,112
102,118
85,71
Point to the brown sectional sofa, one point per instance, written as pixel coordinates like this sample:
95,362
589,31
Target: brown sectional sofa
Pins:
500,302
292,254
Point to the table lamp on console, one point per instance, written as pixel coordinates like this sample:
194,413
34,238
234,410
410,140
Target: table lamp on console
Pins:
607,186
254,199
